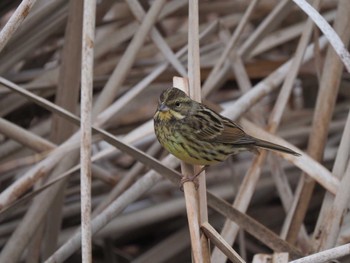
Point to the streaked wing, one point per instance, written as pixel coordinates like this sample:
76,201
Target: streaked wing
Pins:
234,134
210,126
205,124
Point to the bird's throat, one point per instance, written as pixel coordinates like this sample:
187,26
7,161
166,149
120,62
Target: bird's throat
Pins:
170,115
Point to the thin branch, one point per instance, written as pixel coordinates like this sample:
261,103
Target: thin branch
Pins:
87,57
253,227
326,255
323,237
138,11
231,44
120,72
191,196
219,242
329,86
333,38
15,21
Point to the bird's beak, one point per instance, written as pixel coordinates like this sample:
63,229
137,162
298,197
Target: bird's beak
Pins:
162,107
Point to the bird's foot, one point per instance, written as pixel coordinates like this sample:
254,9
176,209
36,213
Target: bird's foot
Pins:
191,178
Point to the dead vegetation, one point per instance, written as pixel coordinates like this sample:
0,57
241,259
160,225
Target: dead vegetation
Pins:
265,63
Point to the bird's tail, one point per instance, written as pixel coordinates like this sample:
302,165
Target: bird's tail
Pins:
276,147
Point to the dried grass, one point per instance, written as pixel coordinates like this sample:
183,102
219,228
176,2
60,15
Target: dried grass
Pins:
266,61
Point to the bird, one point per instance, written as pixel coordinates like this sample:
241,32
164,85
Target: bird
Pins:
198,135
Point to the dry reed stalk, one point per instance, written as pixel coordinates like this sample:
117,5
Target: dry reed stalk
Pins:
130,195
284,35
190,191
87,61
334,39
262,258
194,91
217,240
164,209
284,94
11,147
324,108
332,211
282,100
159,41
51,21
125,182
134,91
21,162
314,169
37,211
327,255
226,231
241,202
266,86
67,95
280,258
120,72
275,117
61,134
24,137
274,18
36,61
15,21
253,227
230,45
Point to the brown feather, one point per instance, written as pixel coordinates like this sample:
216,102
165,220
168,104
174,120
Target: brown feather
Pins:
276,147
233,134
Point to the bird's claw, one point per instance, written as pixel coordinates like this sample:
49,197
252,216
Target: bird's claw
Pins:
185,179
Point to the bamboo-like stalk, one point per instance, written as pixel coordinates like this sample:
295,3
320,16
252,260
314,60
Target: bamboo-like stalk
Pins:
138,11
276,115
67,95
130,195
231,44
221,243
332,36
67,114
87,56
253,227
329,222
24,137
326,255
194,85
254,93
116,207
40,32
124,183
270,22
191,195
304,162
104,116
325,104
15,21
230,230
120,72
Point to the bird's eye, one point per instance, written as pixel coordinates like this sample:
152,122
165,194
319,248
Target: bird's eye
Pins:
177,104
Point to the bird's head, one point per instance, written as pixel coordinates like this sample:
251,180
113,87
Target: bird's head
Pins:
174,103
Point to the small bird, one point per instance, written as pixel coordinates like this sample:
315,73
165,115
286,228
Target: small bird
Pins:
198,135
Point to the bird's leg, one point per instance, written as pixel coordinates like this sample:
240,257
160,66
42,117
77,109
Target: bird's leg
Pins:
200,171
192,178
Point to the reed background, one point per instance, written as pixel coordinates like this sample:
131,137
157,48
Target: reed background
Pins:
265,63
